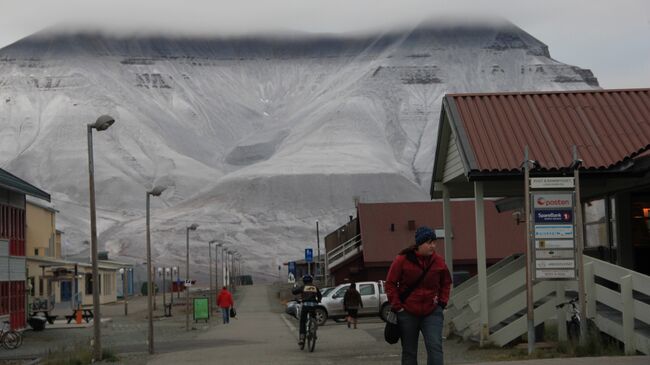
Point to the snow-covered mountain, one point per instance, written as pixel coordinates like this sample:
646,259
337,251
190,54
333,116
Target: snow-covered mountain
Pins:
255,137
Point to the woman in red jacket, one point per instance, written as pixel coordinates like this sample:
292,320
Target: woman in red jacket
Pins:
421,310
225,302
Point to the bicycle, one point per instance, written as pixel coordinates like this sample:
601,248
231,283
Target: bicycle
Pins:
10,339
573,324
311,329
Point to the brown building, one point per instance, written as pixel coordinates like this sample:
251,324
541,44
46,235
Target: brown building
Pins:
364,248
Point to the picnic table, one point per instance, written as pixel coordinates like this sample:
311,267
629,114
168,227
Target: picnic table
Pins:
86,314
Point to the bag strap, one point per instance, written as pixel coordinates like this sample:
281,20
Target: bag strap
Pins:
408,291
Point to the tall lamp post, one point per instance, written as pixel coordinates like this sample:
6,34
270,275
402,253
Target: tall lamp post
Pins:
193,227
125,273
212,294
101,124
216,265
319,267
156,191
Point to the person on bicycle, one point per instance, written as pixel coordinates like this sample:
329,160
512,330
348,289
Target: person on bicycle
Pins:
310,296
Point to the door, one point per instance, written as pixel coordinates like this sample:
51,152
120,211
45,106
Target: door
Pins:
66,291
600,236
335,308
369,297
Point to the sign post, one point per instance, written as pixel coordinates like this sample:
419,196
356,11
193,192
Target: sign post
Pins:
309,257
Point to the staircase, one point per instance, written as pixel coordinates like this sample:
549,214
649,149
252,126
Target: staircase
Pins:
622,313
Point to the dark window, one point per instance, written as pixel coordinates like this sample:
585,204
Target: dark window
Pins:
89,284
411,225
367,289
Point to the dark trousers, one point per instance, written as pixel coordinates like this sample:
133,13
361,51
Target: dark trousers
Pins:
304,311
431,327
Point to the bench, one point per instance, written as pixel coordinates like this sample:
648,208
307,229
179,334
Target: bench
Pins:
86,314
50,318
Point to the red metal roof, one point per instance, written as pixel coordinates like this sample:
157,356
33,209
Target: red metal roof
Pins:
607,126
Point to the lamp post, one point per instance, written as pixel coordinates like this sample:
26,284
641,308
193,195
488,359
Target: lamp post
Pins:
216,265
166,272
212,296
101,124
156,191
178,283
124,273
193,227
319,265
161,270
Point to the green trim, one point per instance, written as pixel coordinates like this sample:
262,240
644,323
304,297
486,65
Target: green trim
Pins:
14,183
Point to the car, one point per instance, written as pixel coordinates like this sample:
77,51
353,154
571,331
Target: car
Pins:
293,307
375,301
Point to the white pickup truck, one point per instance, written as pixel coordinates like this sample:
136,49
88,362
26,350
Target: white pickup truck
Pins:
375,302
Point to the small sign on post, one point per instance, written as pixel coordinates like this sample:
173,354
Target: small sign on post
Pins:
309,255
201,309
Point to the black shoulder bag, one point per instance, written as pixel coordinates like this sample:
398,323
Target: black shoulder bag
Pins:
391,331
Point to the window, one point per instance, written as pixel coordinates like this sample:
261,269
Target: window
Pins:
36,252
596,223
341,292
40,287
89,284
367,289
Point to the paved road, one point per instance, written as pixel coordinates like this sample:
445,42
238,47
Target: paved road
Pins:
261,334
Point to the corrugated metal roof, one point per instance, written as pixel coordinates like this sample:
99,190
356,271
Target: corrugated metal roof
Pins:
607,126
15,183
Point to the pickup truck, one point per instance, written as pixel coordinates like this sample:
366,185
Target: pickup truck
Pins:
375,301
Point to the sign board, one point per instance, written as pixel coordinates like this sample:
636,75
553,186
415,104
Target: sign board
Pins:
553,231
292,268
552,201
201,309
552,212
553,216
188,283
552,182
554,254
309,255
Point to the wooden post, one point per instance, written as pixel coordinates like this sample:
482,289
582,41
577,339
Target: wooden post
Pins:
479,208
627,305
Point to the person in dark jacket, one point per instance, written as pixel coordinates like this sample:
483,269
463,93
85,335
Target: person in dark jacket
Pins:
225,302
310,296
422,310
351,303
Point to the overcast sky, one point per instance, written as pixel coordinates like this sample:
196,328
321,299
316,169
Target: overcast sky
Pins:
610,37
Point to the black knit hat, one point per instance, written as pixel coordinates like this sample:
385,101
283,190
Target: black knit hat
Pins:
424,234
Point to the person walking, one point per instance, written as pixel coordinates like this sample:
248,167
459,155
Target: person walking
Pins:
225,302
418,285
351,303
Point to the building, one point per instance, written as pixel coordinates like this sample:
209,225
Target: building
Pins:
364,248
51,279
13,192
600,136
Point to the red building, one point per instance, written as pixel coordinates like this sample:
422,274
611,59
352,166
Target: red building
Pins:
12,246
364,248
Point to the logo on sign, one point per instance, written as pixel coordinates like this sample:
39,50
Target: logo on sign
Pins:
554,216
557,231
544,202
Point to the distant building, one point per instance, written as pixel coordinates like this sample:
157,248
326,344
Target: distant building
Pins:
364,248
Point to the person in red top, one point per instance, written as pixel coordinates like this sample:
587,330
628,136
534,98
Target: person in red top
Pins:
421,310
225,302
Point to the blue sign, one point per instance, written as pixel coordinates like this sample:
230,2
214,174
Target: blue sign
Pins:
554,216
309,255
292,267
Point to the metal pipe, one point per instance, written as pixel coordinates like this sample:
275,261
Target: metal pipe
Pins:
97,345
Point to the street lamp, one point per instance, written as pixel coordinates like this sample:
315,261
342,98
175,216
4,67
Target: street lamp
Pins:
156,191
166,272
176,271
124,273
193,227
102,124
212,291
216,265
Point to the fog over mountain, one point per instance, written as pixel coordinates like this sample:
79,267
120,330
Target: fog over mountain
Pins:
255,137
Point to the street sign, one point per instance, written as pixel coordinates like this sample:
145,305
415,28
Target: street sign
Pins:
552,182
553,201
188,283
309,255
292,268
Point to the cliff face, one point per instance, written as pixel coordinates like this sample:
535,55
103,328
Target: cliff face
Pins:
255,137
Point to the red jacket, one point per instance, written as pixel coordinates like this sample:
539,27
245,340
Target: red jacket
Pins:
433,289
224,299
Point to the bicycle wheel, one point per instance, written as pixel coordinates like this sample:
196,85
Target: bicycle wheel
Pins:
573,329
311,335
11,340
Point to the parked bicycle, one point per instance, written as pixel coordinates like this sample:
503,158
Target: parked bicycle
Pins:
10,339
573,324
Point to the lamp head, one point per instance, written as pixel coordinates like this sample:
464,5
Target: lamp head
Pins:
103,122
121,270
193,227
157,190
